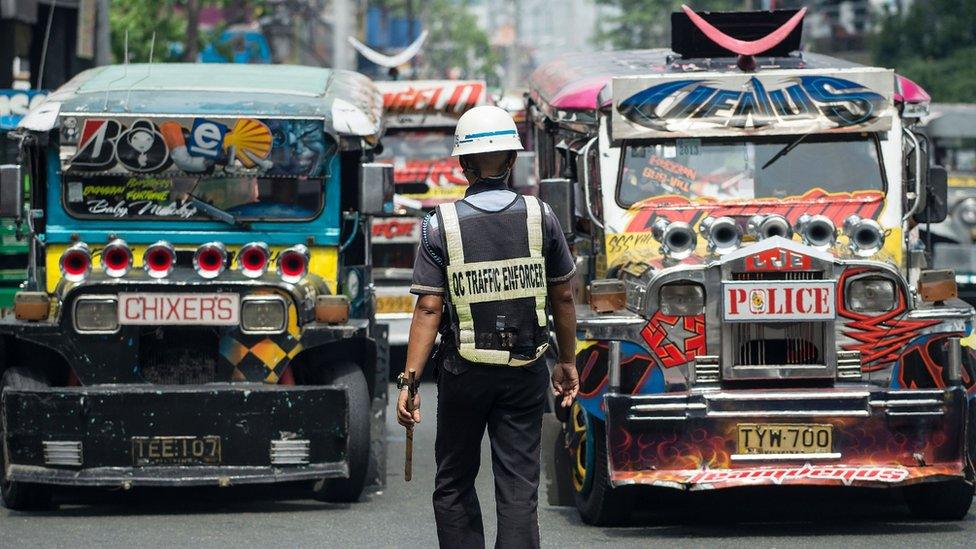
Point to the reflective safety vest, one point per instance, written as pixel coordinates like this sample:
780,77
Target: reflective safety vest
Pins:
496,281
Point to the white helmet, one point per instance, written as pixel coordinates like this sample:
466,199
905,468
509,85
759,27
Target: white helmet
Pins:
485,129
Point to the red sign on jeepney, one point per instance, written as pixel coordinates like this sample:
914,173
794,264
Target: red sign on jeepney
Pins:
779,301
778,259
395,229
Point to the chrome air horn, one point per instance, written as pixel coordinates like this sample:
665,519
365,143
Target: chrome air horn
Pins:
678,239
866,235
817,231
723,234
764,226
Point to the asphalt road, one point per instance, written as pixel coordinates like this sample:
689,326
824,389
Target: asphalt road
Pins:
285,517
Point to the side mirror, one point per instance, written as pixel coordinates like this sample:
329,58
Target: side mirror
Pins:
11,191
523,174
936,197
558,193
375,188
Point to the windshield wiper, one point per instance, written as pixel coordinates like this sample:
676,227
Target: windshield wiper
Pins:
215,213
784,151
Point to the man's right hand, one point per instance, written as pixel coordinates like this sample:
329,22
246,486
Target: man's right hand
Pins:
404,417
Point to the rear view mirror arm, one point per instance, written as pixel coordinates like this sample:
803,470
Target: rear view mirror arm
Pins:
585,180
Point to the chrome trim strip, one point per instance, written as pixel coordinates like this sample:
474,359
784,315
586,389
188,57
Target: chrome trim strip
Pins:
896,413
789,396
905,403
788,413
614,364
656,418
667,406
780,457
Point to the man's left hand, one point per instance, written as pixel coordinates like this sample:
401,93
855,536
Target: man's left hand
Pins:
565,382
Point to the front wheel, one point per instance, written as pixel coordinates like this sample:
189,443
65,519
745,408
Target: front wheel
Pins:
21,496
948,500
598,503
347,490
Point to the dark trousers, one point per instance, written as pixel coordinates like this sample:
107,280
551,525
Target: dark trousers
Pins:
509,402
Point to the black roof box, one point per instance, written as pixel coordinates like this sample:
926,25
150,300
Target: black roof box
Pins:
690,42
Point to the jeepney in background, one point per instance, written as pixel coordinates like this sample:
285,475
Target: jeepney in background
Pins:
951,129
420,119
197,308
524,179
746,233
14,104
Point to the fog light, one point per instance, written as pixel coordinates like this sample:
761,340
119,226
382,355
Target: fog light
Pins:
263,314
96,314
871,295
680,299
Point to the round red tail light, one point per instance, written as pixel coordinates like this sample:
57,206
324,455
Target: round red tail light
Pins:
210,260
116,258
76,262
293,263
158,260
253,259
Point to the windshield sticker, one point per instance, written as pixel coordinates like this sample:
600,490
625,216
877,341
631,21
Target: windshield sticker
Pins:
768,104
246,146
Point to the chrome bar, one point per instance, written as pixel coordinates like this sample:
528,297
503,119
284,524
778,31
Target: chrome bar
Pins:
789,413
614,364
667,406
905,403
780,457
954,366
790,396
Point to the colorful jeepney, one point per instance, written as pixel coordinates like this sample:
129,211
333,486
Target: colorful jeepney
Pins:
14,104
197,308
951,129
746,232
420,119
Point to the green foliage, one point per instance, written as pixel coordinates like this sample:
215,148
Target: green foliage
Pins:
934,44
647,23
455,41
141,18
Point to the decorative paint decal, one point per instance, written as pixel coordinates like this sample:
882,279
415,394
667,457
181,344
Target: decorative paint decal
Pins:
395,229
921,364
429,103
245,146
675,340
880,337
730,104
778,475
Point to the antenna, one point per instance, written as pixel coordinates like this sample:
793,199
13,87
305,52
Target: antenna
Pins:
47,38
125,68
152,48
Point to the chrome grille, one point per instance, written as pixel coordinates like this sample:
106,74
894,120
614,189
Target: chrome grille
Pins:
779,275
788,344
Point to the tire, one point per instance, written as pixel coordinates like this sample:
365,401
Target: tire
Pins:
947,500
21,496
598,503
349,490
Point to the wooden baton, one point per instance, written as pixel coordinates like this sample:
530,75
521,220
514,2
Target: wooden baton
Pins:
411,393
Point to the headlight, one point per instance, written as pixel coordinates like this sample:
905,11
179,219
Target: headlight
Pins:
966,210
263,314
682,299
872,295
96,314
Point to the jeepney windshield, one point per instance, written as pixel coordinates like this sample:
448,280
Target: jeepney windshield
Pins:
957,155
758,168
418,145
162,198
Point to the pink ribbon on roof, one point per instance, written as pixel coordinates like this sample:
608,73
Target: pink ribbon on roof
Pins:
744,47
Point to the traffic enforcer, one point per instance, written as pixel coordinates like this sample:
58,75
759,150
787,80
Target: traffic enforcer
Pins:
745,216
197,309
